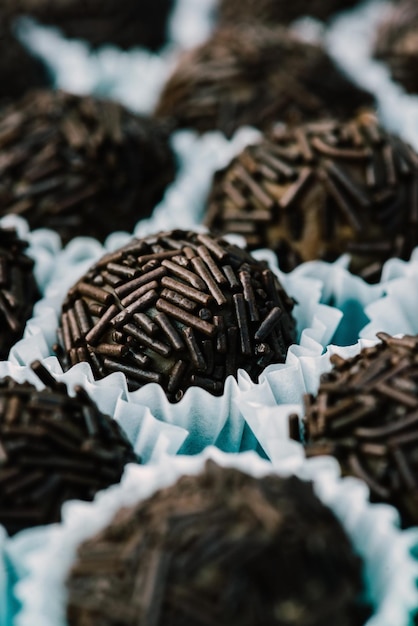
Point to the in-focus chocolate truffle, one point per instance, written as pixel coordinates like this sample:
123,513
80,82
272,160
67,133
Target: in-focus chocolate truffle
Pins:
397,43
219,548
81,166
53,448
180,309
125,24
18,289
256,76
19,70
366,415
279,11
322,189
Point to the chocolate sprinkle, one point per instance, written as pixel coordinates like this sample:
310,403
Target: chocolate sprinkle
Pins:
332,188
123,24
366,415
53,448
220,548
278,11
18,289
397,43
182,318
79,165
255,75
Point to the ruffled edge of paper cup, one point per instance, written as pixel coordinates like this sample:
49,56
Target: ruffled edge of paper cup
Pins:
390,571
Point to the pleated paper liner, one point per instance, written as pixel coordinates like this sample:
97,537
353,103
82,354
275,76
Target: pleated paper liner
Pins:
390,572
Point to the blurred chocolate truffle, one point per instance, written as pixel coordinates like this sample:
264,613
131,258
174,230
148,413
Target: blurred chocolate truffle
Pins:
255,75
19,70
180,309
53,447
220,548
397,43
18,289
79,165
366,415
279,11
319,190
125,24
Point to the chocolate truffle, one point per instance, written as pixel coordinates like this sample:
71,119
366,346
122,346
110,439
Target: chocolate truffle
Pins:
397,44
279,11
180,309
125,24
19,70
18,289
53,448
366,415
81,166
318,190
255,75
219,548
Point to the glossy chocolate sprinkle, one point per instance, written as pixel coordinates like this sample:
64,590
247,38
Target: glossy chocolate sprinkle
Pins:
366,415
53,448
220,548
322,189
396,43
18,289
256,75
179,309
279,11
79,165
125,24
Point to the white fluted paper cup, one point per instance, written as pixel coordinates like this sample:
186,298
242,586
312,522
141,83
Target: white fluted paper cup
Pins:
209,420
390,572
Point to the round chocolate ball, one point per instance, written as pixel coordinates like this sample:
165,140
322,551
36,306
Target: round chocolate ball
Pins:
79,165
53,447
18,289
179,309
322,189
365,414
125,24
279,11
221,548
255,75
397,43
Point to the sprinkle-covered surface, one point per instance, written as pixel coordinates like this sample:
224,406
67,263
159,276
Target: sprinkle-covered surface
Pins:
219,548
53,448
256,75
79,165
321,189
180,309
18,289
366,415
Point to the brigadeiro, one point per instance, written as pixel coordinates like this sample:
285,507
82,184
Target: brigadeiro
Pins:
279,11
79,165
124,24
255,75
53,447
366,415
322,189
397,43
18,289
219,548
180,309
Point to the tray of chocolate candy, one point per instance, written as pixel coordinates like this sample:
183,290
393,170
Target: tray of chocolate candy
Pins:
208,296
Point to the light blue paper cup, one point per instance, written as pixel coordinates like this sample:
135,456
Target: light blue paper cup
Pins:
390,572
